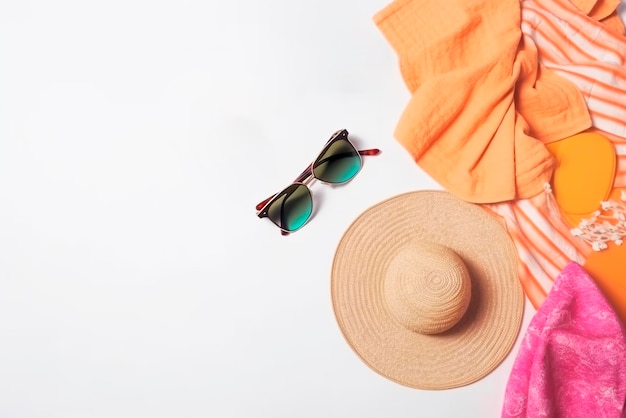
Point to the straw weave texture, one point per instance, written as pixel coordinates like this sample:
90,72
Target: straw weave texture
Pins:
425,290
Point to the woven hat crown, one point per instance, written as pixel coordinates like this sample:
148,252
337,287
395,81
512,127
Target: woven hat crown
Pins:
427,288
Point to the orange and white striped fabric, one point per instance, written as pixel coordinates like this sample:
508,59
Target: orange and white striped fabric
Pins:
593,57
582,50
590,55
543,240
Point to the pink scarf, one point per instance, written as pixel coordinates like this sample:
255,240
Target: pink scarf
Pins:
572,361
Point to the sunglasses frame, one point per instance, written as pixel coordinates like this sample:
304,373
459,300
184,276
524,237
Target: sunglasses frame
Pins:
308,176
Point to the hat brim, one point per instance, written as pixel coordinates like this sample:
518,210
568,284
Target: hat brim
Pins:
479,342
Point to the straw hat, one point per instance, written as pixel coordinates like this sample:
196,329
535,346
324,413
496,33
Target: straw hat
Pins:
425,290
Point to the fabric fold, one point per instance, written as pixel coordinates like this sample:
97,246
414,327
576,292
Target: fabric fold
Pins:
481,106
582,50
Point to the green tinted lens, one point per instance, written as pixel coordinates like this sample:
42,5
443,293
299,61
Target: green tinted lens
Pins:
291,208
338,163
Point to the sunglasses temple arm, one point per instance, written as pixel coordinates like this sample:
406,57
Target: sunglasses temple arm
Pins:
373,151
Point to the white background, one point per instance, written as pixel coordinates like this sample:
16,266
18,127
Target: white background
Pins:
136,138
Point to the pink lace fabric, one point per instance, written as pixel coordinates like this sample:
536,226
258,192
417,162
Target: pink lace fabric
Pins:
572,361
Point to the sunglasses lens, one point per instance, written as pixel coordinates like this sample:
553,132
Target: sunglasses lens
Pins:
291,208
338,163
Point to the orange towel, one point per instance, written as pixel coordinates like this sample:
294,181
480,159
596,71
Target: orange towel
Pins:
481,106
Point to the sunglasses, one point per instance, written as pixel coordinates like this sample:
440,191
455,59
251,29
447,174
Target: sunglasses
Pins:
338,163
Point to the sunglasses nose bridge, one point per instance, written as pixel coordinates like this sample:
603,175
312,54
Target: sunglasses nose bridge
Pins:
310,180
